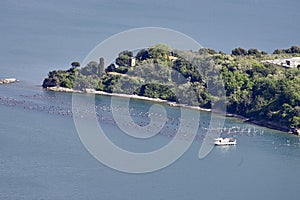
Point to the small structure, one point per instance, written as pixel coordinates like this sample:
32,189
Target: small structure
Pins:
292,63
285,62
172,58
132,61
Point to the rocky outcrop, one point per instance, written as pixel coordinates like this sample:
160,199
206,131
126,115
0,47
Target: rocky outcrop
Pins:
296,131
49,82
8,80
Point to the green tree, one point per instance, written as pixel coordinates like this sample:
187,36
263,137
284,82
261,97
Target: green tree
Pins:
75,64
254,52
159,52
239,52
204,51
142,55
124,58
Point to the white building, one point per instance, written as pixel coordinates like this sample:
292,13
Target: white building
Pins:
132,61
285,62
292,62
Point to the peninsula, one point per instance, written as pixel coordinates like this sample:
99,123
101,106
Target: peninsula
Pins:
263,88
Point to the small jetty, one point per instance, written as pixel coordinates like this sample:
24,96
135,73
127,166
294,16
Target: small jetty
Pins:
8,80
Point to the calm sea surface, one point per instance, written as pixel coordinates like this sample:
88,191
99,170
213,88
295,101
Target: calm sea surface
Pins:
41,156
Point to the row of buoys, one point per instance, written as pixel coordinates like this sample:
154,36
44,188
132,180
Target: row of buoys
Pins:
139,117
170,129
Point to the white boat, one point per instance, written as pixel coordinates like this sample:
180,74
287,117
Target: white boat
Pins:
224,141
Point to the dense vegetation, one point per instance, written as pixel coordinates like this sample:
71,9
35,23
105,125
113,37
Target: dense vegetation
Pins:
261,91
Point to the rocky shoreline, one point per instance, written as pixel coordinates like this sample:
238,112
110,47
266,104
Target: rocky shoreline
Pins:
267,124
92,91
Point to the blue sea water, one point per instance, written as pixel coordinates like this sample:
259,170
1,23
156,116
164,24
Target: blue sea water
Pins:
41,156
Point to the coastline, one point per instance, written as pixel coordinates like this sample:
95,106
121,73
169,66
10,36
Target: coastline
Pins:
266,124
270,125
92,91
